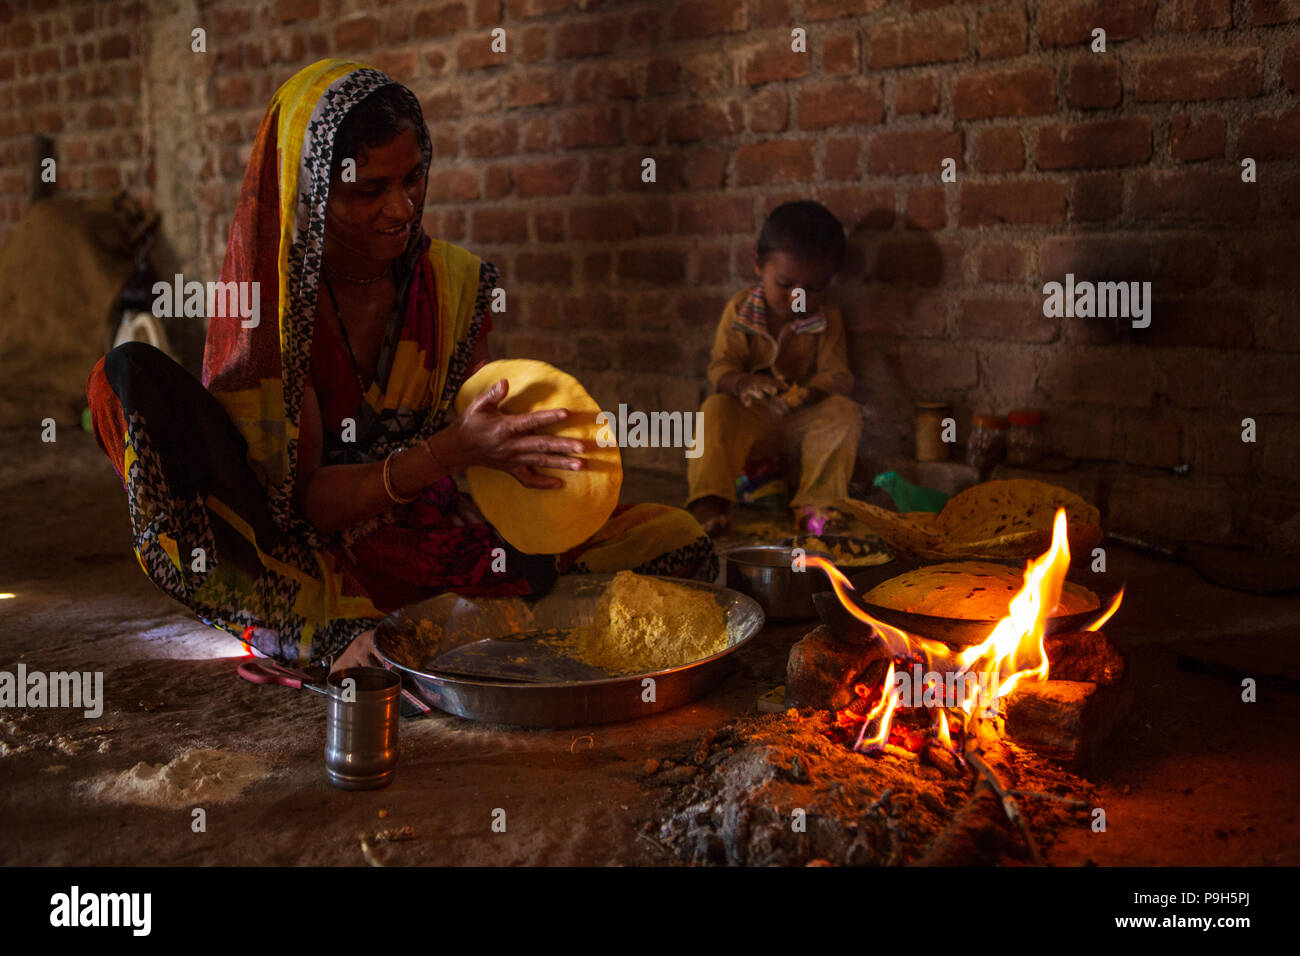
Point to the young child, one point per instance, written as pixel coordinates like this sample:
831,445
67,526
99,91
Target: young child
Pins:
779,372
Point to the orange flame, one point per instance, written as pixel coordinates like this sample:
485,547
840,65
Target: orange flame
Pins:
1013,650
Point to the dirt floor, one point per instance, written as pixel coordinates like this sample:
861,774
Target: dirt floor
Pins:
1197,777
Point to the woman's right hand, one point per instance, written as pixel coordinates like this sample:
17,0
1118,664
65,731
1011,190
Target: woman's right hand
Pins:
485,436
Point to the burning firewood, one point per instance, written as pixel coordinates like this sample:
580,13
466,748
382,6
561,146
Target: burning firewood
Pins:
821,671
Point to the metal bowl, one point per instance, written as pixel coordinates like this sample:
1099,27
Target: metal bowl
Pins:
766,573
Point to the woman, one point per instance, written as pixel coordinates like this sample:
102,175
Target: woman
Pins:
309,489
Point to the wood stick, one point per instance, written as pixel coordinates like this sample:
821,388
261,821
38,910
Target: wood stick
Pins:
1083,656
1009,805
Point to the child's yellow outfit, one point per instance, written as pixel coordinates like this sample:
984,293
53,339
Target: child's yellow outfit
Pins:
811,353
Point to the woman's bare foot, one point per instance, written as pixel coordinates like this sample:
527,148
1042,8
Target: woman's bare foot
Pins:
711,513
360,653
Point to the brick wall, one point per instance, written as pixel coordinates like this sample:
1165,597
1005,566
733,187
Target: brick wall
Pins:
1116,165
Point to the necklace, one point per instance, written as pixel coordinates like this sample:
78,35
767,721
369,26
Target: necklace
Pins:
374,278
356,369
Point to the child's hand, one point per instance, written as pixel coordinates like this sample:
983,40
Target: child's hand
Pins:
753,388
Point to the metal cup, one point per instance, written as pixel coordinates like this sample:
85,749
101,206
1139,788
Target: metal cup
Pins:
361,727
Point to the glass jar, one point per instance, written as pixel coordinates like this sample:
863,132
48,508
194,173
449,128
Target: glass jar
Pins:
930,417
988,441
1024,437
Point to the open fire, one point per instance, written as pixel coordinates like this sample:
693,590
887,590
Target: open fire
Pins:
923,680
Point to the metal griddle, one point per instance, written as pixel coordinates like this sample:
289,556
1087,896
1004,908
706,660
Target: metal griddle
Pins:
486,658
957,632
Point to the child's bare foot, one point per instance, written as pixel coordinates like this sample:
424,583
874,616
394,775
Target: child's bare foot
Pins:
711,513
814,520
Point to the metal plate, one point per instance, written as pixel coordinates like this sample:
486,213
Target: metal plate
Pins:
443,628
957,632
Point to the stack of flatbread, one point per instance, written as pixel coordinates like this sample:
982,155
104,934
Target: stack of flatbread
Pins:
996,519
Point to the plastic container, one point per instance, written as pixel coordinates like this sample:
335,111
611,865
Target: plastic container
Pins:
1025,441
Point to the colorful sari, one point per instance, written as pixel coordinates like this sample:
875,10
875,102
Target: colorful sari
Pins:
210,470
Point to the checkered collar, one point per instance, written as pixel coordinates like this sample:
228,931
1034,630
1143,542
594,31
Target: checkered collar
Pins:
752,316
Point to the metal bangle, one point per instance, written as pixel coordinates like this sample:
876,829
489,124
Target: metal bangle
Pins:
388,483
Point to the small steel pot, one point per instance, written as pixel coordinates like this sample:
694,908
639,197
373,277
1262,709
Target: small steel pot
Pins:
766,573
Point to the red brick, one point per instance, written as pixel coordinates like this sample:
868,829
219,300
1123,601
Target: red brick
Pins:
769,110
592,126
999,150
842,158
772,62
903,43
919,151
834,9
1194,15
916,95
840,54
499,225
1007,320
1094,83
1026,92
925,209
491,138
1096,198
646,123
940,365
772,13
705,168
287,10
475,52
715,215
545,267
992,204
536,41
604,222
357,33
645,28
440,20
860,208
555,177
1066,23
1001,262
1271,137
114,47
778,161
1002,34
1291,68
1267,261
840,103
487,13
693,19
589,38
1222,74
1195,197
704,120
662,77
452,185
656,265
1200,322
536,87
497,182
1267,12
920,261
523,9
1192,139
1119,142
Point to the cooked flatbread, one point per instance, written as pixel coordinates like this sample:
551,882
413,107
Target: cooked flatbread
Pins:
968,591
551,520
995,519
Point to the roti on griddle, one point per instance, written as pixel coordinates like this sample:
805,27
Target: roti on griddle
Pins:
968,591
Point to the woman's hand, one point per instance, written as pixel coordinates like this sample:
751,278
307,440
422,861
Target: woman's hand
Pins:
489,438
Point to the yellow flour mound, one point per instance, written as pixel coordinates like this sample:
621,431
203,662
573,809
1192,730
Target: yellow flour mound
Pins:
645,624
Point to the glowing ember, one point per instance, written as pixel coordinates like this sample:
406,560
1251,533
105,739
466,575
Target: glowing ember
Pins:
935,677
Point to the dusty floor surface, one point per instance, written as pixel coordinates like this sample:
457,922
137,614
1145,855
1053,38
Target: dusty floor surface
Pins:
1196,777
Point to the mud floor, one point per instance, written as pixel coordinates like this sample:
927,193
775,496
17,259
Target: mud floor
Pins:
1196,777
